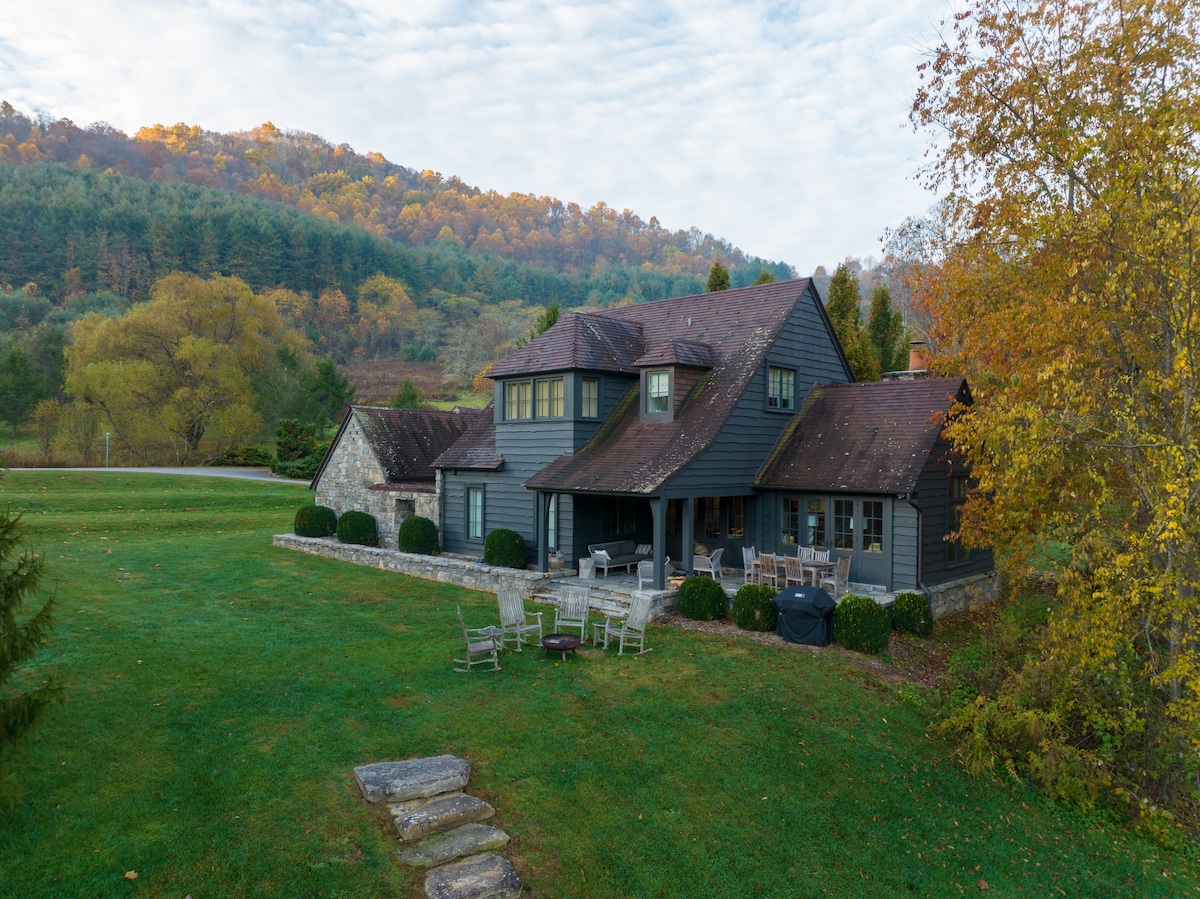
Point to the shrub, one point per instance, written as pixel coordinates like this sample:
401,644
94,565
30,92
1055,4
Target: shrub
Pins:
357,527
251,456
701,599
418,535
505,548
315,521
911,614
753,609
861,624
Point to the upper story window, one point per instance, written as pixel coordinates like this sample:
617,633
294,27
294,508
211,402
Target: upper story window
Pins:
781,388
590,405
549,397
658,391
518,400
956,550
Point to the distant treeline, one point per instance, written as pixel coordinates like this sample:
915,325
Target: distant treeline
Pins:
414,208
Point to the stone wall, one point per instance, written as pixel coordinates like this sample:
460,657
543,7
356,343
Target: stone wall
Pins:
354,479
444,569
964,594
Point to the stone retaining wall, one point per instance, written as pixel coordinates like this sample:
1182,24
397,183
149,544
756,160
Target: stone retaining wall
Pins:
964,594
444,569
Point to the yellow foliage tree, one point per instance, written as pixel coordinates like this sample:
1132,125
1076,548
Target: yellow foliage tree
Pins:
174,377
1068,295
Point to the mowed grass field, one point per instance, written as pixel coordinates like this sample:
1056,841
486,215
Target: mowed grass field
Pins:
219,691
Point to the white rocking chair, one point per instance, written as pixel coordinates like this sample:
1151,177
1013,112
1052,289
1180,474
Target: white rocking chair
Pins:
515,621
482,645
631,630
572,610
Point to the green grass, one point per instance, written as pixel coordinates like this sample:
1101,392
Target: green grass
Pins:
220,690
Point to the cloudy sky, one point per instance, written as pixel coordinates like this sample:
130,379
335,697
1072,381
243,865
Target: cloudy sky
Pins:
779,126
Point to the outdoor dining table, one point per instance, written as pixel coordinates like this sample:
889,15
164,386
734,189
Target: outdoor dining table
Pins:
817,569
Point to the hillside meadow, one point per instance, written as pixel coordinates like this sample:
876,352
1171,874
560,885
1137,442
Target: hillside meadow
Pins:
219,691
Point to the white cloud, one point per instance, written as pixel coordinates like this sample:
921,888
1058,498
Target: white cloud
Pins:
779,126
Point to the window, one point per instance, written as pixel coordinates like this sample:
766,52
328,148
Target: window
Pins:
591,398
872,526
708,517
549,398
781,388
474,513
789,533
552,522
956,552
620,517
658,391
814,527
843,524
737,517
518,400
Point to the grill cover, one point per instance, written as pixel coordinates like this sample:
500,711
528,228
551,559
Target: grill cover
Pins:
805,615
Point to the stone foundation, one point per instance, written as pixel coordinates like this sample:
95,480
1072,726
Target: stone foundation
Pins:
964,594
443,569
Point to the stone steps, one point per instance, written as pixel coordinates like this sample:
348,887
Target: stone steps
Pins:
439,825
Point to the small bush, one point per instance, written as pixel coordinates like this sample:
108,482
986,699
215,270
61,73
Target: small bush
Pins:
250,456
911,614
753,609
315,521
701,599
862,624
418,535
358,528
505,548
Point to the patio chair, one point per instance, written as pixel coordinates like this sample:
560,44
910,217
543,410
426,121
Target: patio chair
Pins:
482,645
768,569
793,567
805,553
572,610
515,621
835,584
631,630
645,572
749,557
710,565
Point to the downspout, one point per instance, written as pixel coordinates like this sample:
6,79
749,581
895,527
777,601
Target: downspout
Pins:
920,548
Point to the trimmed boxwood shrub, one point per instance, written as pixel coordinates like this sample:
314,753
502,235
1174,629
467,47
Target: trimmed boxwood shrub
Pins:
701,599
862,624
315,521
753,609
357,527
418,535
505,548
911,614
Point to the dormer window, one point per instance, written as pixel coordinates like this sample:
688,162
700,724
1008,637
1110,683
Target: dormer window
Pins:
526,399
658,391
518,400
781,388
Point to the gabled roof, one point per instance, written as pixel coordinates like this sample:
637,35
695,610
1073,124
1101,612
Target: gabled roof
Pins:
689,353
868,438
577,342
405,441
629,455
477,446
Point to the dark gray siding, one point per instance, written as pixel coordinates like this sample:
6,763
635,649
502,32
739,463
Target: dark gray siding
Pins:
932,496
904,546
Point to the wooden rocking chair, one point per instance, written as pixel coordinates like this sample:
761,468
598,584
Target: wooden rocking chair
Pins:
630,630
572,610
482,645
515,621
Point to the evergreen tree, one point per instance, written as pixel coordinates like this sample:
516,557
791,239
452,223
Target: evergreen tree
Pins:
20,641
718,277
409,396
324,393
885,329
764,277
844,313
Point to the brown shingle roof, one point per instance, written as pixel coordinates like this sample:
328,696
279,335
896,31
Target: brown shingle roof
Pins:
577,342
629,455
477,446
872,438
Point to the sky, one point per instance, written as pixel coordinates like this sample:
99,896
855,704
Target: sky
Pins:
781,127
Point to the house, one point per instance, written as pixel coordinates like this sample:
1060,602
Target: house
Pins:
724,420
381,462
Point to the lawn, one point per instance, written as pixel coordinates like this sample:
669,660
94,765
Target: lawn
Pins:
220,690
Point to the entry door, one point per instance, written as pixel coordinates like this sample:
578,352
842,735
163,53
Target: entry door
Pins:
859,531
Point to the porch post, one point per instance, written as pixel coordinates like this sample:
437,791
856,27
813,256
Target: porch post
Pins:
689,533
657,511
541,518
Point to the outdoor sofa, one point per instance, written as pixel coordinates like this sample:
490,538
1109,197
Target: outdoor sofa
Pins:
618,554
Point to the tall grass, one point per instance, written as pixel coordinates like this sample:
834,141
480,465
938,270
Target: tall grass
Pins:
220,690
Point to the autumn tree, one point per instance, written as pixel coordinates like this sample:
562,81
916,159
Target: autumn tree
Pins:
1067,293
173,377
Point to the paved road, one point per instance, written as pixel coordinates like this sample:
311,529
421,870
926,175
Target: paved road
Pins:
252,474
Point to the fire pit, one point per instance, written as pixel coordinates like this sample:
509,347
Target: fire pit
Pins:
561,643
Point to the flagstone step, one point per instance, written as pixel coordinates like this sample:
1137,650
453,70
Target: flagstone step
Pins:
476,877
440,814
413,778
440,848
